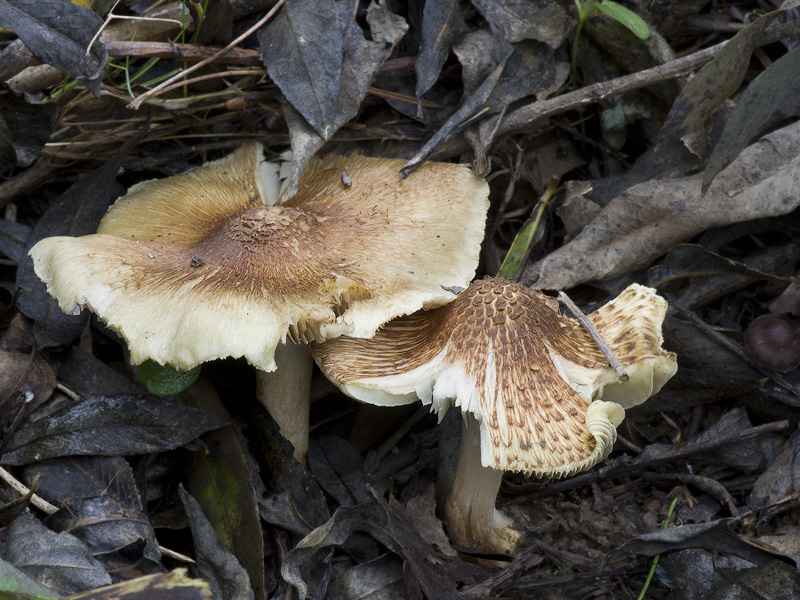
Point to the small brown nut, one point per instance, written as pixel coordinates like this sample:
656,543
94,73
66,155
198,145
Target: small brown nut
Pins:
774,343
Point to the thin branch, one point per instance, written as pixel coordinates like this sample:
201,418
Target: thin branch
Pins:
158,89
622,375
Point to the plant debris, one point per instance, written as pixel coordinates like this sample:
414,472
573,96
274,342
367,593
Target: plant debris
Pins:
671,131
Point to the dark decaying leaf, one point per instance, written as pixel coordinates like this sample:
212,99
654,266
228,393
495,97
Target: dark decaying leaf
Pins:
517,20
59,561
8,155
26,381
412,532
302,50
220,479
715,536
457,121
530,69
442,23
226,577
13,59
99,503
714,82
782,478
647,219
174,585
13,580
109,426
361,61
691,260
336,466
754,108
30,126
215,26
76,212
379,579
87,376
746,455
58,33
297,496
13,239
707,371
773,581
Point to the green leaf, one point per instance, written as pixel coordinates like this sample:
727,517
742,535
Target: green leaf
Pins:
518,250
162,380
626,17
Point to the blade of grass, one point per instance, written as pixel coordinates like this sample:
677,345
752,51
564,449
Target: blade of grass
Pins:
520,250
655,558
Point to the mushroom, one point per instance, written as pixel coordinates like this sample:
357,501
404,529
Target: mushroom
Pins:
206,264
529,382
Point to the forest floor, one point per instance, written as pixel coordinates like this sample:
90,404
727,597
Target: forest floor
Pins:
658,142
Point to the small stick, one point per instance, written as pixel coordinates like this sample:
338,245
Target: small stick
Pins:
622,375
48,508
137,102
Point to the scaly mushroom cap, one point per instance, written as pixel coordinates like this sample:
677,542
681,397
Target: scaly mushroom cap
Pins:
530,375
196,267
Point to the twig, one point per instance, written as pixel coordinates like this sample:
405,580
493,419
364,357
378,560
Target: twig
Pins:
528,115
622,375
36,500
158,89
214,76
48,508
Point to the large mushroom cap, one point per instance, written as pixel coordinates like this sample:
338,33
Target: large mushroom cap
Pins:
196,266
531,376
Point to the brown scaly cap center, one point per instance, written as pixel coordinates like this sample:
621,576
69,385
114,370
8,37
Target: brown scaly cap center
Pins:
258,235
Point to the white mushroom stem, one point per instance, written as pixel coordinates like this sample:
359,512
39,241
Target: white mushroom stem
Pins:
285,393
471,516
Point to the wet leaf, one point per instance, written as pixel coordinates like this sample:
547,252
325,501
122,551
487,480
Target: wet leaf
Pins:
413,532
58,561
26,381
109,426
714,82
89,376
16,584
303,55
100,504
226,577
361,62
13,239
773,581
754,108
442,23
546,22
715,536
336,465
379,579
29,125
781,479
707,371
221,481
297,502
58,33
647,219
163,586
691,260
